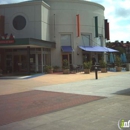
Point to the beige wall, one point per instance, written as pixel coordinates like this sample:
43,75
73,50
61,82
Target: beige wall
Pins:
65,22
36,14
40,22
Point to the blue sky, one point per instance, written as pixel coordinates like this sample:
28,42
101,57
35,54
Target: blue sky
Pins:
116,11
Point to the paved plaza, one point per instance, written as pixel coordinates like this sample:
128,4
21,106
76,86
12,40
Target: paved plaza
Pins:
65,102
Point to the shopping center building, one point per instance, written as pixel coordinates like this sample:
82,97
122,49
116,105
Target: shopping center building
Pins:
38,33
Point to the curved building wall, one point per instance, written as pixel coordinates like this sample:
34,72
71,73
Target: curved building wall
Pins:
63,21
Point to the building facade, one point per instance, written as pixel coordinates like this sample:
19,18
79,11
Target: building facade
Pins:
47,32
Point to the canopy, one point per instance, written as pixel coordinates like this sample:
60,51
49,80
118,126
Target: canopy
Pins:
66,49
97,49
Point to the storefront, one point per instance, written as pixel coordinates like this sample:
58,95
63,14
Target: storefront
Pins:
25,56
35,23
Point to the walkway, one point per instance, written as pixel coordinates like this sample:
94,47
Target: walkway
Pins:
65,102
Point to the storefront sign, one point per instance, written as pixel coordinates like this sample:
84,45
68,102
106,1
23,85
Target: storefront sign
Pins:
5,39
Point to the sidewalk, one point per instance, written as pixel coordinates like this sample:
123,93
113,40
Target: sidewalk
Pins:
94,112
15,85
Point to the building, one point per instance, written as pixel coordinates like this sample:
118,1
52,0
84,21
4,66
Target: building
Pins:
38,33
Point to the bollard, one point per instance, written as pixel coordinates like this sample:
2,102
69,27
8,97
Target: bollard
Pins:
96,73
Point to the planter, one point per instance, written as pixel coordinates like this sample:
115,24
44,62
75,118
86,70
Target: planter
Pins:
118,69
66,71
128,66
0,72
103,70
50,71
86,71
56,70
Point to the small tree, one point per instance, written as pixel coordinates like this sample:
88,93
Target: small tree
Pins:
118,61
65,64
87,65
102,63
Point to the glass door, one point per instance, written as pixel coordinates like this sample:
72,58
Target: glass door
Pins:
9,63
67,57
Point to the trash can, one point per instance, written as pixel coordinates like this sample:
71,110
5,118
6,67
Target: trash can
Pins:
128,66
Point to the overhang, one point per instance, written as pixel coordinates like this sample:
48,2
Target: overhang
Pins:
66,49
24,42
97,49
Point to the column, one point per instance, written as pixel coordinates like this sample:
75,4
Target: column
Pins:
42,59
28,59
36,62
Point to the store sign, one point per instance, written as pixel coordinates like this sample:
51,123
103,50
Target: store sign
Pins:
6,39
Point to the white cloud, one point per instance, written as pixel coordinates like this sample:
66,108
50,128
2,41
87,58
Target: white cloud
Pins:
118,14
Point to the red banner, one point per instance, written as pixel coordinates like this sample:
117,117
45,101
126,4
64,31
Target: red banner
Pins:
78,25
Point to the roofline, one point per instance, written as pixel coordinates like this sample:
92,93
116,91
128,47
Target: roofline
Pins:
19,42
26,3
79,1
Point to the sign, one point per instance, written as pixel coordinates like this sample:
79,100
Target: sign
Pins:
122,124
5,39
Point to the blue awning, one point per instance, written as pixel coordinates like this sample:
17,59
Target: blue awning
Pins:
97,49
66,49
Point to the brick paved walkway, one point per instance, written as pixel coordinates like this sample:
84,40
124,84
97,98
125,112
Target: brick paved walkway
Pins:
20,106
16,85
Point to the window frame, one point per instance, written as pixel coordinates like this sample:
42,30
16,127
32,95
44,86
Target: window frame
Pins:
90,37
68,44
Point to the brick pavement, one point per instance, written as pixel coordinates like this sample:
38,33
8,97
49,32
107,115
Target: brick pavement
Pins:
20,106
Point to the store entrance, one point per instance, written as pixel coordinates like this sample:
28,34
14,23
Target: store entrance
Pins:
67,57
20,63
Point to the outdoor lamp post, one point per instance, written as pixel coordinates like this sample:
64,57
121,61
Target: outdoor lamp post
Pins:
96,71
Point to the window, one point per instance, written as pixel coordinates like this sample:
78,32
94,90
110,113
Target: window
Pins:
65,39
100,41
19,22
85,39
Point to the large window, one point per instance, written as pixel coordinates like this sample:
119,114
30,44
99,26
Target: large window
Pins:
65,39
85,39
100,41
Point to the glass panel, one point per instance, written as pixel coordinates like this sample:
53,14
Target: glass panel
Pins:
99,41
70,58
8,50
47,59
23,63
85,39
65,39
32,63
39,62
9,63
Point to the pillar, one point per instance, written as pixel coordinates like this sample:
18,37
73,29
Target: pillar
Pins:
28,59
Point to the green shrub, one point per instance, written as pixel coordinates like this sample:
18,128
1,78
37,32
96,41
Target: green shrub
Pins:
102,63
118,61
47,68
87,65
65,64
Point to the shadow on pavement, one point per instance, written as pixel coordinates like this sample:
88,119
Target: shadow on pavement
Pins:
123,92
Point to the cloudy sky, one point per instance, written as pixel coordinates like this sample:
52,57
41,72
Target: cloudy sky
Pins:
116,11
